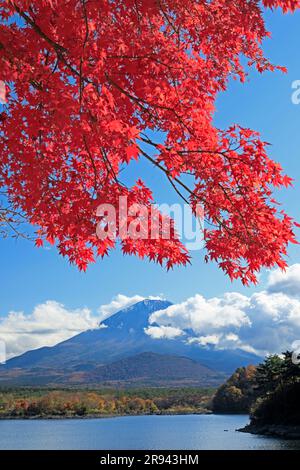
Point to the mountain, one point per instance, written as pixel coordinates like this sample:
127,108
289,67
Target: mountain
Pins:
155,368
144,369
119,345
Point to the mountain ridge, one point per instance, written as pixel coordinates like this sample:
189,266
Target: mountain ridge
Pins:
120,337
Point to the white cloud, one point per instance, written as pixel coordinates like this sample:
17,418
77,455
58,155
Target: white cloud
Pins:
205,340
48,324
51,322
167,332
205,315
120,302
232,337
264,322
285,281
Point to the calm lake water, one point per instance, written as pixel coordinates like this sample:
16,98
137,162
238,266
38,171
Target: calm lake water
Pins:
140,432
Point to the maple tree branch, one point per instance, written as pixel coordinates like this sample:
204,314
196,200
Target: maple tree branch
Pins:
224,154
139,102
81,86
175,30
151,57
109,165
138,15
146,140
93,164
60,50
37,29
183,185
129,95
192,193
177,190
10,220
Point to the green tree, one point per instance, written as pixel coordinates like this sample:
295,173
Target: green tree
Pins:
269,374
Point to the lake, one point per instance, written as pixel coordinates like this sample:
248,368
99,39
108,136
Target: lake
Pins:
197,432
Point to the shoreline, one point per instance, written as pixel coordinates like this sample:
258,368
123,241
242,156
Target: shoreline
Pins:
289,432
102,416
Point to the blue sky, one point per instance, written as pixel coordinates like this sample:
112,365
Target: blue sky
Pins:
30,276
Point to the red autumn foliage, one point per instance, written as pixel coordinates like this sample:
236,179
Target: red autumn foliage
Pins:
87,82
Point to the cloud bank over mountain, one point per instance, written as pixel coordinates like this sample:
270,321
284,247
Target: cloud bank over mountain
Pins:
264,322
51,322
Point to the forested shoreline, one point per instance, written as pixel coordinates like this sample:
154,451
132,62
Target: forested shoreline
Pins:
71,403
269,393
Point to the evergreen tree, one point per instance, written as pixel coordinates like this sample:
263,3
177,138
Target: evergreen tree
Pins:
269,374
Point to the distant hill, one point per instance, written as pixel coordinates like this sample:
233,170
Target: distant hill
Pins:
145,369
155,368
120,351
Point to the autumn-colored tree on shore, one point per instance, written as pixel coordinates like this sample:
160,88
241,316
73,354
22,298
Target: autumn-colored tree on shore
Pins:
87,83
